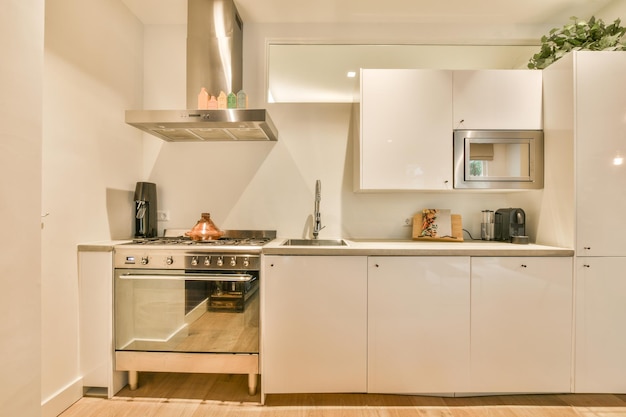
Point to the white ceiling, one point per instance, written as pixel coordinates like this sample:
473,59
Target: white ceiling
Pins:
316,78
527,12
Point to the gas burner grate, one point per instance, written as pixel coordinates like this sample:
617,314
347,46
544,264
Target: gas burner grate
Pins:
189,242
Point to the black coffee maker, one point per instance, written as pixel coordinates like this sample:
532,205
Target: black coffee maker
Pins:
145,210
510,222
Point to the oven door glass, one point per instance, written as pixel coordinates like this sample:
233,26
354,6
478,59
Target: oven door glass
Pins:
174,311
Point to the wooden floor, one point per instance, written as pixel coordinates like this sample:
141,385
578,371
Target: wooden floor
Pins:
195,395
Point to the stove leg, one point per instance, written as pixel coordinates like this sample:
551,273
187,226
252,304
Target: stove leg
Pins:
133,379
252,382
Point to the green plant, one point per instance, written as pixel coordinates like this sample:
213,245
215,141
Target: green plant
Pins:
591,35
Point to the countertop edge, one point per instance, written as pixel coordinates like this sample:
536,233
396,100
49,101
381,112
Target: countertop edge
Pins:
413,248
416,252
386,248
104,246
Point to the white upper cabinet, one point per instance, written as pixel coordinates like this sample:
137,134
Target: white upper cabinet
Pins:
497,99
408,116
406,140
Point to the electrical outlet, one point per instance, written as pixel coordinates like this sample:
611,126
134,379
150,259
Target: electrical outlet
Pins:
163,215
408,222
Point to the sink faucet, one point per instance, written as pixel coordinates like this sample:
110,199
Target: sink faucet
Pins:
317,217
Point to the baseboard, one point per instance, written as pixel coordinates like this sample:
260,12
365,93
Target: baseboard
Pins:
62,399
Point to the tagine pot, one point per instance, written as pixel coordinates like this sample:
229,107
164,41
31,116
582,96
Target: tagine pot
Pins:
205,229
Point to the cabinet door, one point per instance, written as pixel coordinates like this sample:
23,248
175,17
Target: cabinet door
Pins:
600,110
95,275
314,324
418,324
406,140
521,324
497,99
600,316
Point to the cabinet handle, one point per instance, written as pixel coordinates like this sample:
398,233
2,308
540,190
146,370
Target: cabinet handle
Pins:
587,247
524,266
586,266
376,265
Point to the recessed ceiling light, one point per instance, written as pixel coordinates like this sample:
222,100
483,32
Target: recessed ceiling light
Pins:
351,74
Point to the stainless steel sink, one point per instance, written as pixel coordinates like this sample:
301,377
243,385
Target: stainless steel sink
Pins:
315,242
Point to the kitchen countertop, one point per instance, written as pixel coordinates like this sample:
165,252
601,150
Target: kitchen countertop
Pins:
382,247
375,247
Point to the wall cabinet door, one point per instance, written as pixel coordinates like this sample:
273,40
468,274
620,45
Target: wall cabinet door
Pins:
521,324
406,140
497,99
418,324
600,317
314,324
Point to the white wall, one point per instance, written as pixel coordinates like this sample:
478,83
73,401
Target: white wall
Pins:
91,161
271,185
21,47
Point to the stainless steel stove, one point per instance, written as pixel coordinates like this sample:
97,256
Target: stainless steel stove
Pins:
189,306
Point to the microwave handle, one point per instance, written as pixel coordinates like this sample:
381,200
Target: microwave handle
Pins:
192,277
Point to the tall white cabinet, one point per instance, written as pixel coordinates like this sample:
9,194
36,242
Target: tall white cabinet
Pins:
586,116
600,314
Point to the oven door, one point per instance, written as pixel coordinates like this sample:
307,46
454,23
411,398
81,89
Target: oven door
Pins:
178,311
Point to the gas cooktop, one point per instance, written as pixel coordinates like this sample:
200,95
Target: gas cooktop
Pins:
186,241
237,249
231,238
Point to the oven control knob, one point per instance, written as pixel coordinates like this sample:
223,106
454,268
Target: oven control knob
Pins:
246,262
169,260
194,260
207,260
233,261
220,261
144,260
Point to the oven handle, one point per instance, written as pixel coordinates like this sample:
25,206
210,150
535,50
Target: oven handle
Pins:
193,277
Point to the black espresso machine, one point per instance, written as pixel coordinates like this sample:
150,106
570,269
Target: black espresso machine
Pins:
509,223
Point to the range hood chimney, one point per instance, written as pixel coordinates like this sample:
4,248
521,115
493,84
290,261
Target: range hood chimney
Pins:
214,61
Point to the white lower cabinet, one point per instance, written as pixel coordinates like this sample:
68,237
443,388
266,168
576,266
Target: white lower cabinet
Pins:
418,324
95,275
314,324
600,317
521,324
439,324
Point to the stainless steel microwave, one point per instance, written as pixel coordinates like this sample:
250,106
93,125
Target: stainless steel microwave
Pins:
498,159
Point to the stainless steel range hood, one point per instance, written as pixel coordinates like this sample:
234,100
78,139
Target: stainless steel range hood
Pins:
214,61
